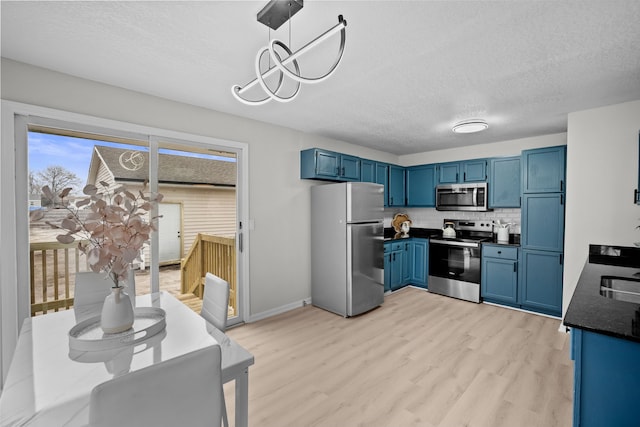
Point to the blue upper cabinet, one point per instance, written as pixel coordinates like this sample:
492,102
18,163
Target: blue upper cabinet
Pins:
328,165
504,182
543,221
448,173
382,177
420,186
367,170
474,170
349,167
396,186
544,170
459,172
636,195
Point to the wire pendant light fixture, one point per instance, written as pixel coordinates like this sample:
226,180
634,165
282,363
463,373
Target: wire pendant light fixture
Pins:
273,15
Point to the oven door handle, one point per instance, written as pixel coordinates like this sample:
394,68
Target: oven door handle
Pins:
475,196
454,243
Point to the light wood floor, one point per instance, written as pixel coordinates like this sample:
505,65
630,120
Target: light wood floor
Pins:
421,359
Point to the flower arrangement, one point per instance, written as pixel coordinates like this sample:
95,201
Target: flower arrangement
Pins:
114,230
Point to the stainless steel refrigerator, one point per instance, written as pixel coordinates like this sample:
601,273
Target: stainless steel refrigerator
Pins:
347,247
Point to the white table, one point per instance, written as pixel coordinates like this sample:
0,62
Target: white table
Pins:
49,385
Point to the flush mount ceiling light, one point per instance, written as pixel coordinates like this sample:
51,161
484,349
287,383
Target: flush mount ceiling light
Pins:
470,126
273,15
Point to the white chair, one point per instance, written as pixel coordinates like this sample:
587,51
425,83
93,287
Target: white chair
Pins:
91,288
215,302
89,293
215,310
183,391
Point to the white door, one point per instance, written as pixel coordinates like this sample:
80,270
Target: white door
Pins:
169,236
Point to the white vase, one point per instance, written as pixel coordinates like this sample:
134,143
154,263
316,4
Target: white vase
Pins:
117,312
503,235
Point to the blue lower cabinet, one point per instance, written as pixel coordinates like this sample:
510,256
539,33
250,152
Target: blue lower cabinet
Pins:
541,288
406,263
387,267
606,379
420,262
499,280
393,265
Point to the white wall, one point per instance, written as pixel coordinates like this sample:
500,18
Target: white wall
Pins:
279,200
602,172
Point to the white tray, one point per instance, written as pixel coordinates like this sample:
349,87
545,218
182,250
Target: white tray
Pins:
88,336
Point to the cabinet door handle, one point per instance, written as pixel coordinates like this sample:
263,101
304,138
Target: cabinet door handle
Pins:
635,196
456,176
464,176
561,185
560,259
562,199
499,252
515,267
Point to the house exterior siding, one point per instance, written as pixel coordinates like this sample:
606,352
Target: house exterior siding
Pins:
204,210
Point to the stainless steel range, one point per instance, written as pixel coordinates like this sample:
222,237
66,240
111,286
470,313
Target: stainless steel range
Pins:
454,262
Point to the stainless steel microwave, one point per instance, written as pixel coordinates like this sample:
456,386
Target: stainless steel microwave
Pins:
463,197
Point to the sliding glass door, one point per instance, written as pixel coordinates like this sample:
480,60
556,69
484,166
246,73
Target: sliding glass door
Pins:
198,216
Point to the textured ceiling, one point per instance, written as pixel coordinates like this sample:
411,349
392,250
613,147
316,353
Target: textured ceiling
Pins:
411,69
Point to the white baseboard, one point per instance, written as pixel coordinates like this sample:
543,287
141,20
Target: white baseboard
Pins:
279,310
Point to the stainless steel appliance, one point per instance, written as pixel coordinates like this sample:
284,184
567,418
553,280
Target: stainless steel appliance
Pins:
347,252
463,197
454,262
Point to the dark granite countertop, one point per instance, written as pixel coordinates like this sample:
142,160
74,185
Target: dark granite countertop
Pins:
593,312
419,233
428,233
514,240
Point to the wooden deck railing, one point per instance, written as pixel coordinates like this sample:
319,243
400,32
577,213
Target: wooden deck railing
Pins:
53,266
212,254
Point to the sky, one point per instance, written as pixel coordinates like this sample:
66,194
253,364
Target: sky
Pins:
74,154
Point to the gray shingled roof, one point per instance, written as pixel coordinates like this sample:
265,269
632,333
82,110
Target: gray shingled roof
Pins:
171,168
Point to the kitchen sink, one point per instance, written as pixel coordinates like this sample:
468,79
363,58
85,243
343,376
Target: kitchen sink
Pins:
620,288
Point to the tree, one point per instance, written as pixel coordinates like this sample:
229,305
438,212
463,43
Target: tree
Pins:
57,178
35,188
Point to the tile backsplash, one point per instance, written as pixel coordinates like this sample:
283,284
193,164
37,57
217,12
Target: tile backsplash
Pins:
431,218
